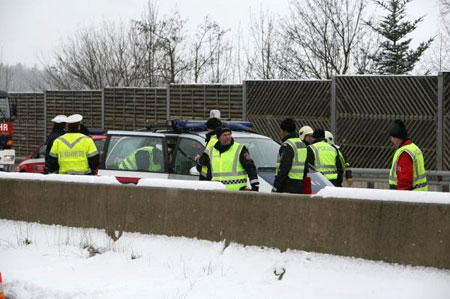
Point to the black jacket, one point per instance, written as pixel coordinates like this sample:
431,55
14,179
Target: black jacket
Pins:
204,159
310,160
244,158
282,181
93,162
56,132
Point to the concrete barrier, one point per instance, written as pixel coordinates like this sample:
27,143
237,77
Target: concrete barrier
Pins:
406,233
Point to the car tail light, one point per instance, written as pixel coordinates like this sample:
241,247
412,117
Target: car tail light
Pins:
9,142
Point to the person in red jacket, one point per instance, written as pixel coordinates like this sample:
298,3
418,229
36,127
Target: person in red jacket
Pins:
404,168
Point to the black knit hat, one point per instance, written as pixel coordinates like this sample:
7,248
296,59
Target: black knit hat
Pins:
221,130
319,134
398,130
288,125
213,123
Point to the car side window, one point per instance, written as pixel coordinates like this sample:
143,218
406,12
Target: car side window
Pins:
135,153
184,156
41,152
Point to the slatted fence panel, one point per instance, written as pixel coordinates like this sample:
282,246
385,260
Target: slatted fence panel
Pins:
269,102
195,101
28,128
367,106
88,103
134,108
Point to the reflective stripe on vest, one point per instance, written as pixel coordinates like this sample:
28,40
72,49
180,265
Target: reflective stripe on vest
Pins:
73,151
325,159
226,167
212,141
419,174
298,163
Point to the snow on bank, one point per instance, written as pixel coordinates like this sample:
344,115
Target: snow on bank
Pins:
41,261
184,184
386,195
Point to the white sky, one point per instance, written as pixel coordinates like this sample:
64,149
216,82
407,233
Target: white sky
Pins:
30,29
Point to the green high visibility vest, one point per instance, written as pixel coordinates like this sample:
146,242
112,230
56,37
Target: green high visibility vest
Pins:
212,141
325,159
226,167
129,163
419,174
73,151
298,164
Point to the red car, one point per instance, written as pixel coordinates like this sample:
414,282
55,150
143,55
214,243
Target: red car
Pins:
35,162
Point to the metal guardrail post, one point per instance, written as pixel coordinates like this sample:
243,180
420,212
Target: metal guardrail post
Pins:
168,103
103,108
333,107
440,116
244,100
45,115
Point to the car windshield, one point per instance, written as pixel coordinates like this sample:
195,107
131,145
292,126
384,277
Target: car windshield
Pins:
263,151
135,153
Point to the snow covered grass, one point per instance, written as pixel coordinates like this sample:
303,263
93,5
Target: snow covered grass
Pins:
42,261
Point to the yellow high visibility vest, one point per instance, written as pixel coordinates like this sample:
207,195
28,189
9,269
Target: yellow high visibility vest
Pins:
298,164
226,167
419,174
129,163
325,159
73,151
212,141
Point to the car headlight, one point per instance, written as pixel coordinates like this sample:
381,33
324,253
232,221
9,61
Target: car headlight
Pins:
8,158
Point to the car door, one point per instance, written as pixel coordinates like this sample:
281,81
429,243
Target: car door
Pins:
120,159
183,158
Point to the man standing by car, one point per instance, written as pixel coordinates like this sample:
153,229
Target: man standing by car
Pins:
73,152
230,163
59,125
324,158
291,160
211,126
408,166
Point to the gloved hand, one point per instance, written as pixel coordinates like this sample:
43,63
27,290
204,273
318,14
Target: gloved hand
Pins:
349,182
274,189
255,187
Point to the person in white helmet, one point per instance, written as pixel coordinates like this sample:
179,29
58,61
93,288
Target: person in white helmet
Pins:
345,164
305,134
59,129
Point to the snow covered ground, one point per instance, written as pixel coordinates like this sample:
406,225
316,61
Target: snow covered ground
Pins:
41,261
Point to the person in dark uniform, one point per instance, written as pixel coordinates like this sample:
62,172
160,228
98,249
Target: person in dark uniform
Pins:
291,160
324,158
201,160
230,163
59,126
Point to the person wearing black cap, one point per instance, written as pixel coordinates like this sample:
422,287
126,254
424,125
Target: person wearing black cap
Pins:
324,158
408,166
230,163
73,152
201,160
291,160
59,127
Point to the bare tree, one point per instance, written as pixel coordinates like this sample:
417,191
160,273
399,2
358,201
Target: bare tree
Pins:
321,36
262,57
6,76
95,58
205,47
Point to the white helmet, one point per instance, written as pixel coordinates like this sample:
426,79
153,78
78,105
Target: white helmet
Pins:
214,113
329,137
305,130
59,119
